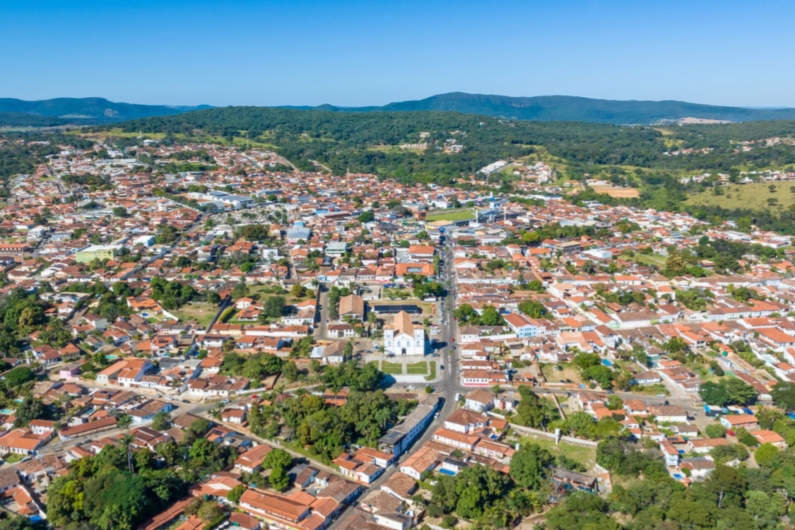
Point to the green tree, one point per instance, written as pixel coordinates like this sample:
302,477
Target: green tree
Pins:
161,421
530,464
766,454
235,493
784,395
715,430
279,480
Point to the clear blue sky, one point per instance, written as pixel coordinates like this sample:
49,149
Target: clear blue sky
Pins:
352,52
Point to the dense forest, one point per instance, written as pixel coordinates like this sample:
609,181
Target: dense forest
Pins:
357,141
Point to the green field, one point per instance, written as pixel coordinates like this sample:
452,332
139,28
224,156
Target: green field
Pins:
450,215
201,312
582,454
650,259
754,196
391,368
420,368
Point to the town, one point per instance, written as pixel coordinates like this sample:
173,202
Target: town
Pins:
197,335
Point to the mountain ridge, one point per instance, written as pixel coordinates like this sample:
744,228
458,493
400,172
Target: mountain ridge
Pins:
89,110
97,110
574,108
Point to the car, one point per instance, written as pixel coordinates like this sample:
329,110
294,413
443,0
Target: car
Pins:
666,403
441,367
452,339
660,395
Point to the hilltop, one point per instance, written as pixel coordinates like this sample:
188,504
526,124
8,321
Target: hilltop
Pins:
570,108
80,111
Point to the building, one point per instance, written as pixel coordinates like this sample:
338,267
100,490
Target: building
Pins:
403,337
352,306
100,252
400,437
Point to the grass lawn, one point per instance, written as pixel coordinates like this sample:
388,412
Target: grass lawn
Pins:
391,368
555,376
432,375
582,454
650,390
426,307
753,196
201,312
450,215
420,368
650,259
13,458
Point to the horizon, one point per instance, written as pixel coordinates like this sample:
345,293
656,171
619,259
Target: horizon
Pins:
310,107
355,53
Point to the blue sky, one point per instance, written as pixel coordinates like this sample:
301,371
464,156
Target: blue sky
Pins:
351,52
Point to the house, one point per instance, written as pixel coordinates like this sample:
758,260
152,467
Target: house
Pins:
700,467
125,373
572,480
423,460
735,421
403,337
251,460
669,413
647,378
764,436
670,454
480,400
352,306
521,325
234,415
341,331
705,445
22,442
331,354
465,421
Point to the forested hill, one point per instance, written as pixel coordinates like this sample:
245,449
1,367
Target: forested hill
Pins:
569,108
80,110
370,142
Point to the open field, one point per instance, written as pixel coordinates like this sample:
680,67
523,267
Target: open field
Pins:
650,259
754,196
555,376
450,215
201,312
618,193
582,454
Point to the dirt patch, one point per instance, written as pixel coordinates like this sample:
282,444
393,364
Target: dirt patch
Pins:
618,193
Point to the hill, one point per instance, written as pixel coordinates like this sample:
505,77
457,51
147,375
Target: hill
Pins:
22,119
87,110
371,142
569,108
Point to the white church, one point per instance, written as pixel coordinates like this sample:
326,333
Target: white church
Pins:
403,337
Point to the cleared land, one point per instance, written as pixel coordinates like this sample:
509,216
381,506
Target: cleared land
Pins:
451,215
202,313
582,454
618,193
754,196
555,376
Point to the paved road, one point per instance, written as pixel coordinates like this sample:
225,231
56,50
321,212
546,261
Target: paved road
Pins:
322,326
